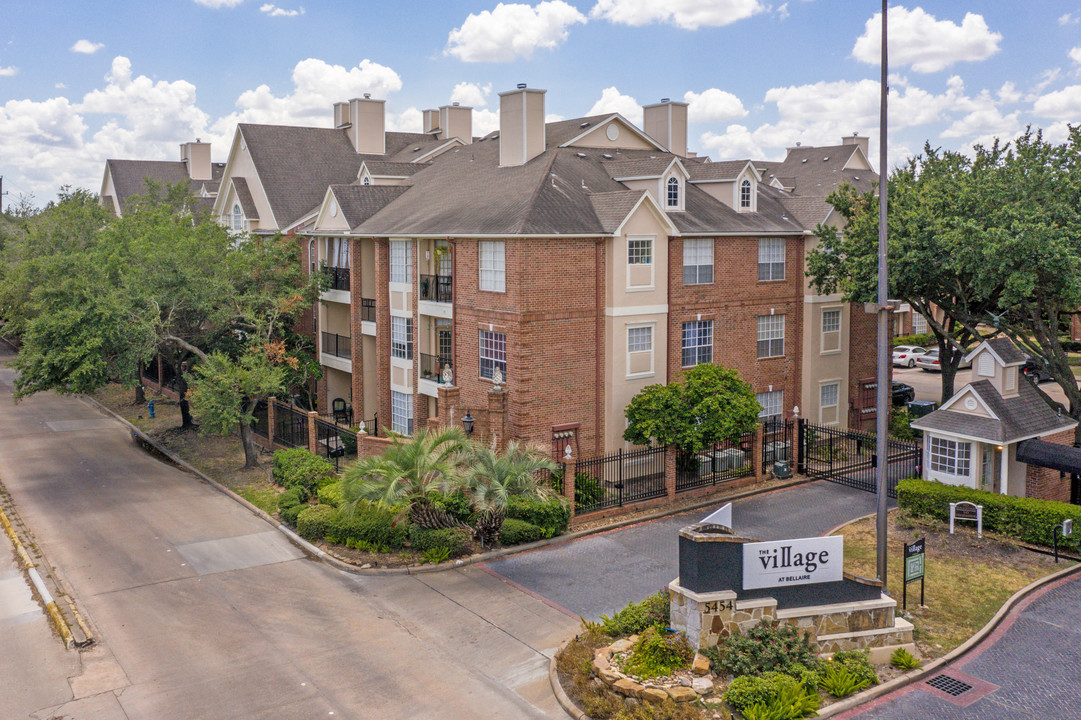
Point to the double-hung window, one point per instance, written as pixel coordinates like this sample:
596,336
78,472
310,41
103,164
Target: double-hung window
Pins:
401,413
770,336
401,262
770,259
919,323
697,262
950,457
401,337
772,404
640,251
493,353
831,330
493,265
697,342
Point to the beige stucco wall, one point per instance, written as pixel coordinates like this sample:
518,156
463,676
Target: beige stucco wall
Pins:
339,384
335,318
625,140
371,387
820,366
331,218
241,165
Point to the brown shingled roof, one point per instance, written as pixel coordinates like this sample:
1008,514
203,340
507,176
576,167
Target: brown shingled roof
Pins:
130,176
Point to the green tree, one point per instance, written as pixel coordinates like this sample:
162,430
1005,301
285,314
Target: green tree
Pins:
407,473
709,405
490,479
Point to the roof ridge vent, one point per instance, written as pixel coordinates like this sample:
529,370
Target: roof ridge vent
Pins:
585,125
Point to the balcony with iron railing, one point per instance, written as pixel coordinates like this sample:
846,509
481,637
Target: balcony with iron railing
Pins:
339,278
431,367
337,345
436,288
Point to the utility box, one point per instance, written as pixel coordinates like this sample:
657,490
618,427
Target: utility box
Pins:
919,408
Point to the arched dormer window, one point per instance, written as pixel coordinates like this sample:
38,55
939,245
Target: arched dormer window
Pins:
745,194
366,181
237,220
673,192
312,260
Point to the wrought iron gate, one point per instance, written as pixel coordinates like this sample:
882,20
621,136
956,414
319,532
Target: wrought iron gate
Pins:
848,457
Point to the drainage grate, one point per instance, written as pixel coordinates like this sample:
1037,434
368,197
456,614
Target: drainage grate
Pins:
949,685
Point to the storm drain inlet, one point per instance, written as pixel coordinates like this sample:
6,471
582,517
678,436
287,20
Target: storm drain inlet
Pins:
950,686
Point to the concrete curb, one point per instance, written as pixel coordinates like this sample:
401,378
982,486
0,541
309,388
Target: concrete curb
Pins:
39,585
344,566
565,702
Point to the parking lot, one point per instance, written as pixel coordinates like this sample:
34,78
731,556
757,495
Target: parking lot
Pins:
928,385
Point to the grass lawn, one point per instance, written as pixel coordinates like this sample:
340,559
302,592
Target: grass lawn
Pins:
967,578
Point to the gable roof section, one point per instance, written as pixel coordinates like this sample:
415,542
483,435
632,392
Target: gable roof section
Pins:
705,215
643,167
1024,416
1003,349
130,176
243,194
818,171
377,167
727,170
579,128
360,202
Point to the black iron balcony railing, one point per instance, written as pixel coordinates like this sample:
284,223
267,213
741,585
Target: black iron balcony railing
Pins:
339,277
337,345
367,309
435,288
431,367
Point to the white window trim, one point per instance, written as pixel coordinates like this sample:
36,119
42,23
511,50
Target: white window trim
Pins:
498,274
949,465
780,406
712,260
410,420
758,339
652,263
837,404
480,357
679,193
822,330
783,261
682,347
652,350
406,286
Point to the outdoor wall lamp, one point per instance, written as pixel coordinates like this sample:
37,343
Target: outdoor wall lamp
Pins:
467,423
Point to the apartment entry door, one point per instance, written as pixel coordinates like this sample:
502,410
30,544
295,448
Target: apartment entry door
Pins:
991,468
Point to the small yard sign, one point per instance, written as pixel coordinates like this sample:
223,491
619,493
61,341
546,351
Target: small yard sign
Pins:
967,511
914,566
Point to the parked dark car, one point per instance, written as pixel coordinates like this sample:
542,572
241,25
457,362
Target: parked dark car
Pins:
1035,369
903,393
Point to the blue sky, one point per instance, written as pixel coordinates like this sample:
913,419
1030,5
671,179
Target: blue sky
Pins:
81,82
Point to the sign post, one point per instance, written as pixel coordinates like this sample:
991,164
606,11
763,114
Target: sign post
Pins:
1066,529
967,511
914,567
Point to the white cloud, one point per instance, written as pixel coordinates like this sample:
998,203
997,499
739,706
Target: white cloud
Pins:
512,31
1064,104
1009,93
686,14
736,142
1068,19
275,11
8,71
1075,54
613,101
219,4
471,94
486,121
916,38
86,47
985,122
713,105
782,12
409,120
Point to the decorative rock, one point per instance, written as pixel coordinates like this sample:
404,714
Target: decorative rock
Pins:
702,686
682,694
600,662
700,666
365,566
630,688
654,695
620,646
607,652
608,676
684,681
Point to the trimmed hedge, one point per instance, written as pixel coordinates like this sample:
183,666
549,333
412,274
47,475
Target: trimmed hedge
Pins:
291,497
330,494
457,540
314,522
926,340
374,526
301,468
552,515
289,514
518,532
1027,519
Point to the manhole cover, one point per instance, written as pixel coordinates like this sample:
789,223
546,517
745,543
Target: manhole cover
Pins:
949,685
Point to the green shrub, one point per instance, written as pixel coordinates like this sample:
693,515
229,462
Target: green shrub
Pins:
455,504
349,440
300,468
437,555
1027,519
748,690
1071,345
658,653
372,525
289,514
636,617
839,682
553,514
457,540
905,660
763,648
291,497
518,532
791,703
330,494
857,662
808,677
924,340
588,490
316,521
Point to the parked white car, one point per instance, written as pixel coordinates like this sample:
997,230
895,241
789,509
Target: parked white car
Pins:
905,355
930,361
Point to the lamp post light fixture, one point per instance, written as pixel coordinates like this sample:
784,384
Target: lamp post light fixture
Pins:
467,423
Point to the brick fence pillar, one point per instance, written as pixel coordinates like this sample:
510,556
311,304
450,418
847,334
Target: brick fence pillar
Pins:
670,454
497,417
271,420
313,432
449,400
756,449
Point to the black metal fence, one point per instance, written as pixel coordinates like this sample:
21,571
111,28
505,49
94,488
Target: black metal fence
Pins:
337,345
339,277
370,426
260,424
334,443
436,288
367,309
168,376
618,479
727,460
290,426
776,441
431,367
849,457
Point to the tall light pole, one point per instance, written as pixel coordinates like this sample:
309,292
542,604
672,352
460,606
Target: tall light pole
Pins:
883,400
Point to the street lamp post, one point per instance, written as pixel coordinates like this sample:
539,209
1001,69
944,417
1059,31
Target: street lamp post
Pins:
883,400
467,423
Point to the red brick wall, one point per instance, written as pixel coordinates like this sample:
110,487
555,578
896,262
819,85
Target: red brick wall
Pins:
1045,483
733,302
862,358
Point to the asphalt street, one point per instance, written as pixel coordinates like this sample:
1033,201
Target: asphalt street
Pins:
600,574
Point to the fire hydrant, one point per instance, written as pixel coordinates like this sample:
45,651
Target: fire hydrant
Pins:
150,407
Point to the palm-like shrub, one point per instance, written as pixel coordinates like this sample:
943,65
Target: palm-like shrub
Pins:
490,479
406,473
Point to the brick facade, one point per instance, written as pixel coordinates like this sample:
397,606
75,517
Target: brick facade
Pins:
1045,483
862,363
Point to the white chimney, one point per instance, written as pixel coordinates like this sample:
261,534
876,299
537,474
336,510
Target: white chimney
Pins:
456,121
666,122
855,139
341,114
521,125
431,120
367,125
196,155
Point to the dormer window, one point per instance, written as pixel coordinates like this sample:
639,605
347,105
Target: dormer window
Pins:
745,194
366,180
236,223
673,192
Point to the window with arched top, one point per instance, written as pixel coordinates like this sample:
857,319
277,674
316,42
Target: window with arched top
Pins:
312,260
366,181
673,192
745,194
237,222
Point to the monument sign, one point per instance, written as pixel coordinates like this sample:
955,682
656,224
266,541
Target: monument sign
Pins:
803,561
